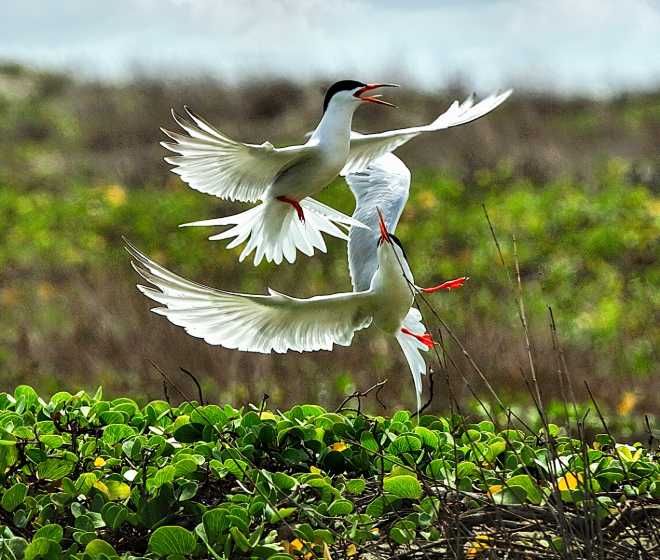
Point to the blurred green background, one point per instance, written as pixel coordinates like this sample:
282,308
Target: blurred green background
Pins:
575,179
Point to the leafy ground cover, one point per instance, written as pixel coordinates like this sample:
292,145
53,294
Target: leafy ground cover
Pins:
88,478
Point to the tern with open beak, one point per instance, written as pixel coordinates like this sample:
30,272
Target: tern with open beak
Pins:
280,323
282,180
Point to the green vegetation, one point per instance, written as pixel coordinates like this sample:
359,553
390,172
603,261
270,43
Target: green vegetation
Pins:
591,258
575,180
86,478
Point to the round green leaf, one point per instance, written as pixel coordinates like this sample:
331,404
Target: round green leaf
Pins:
403,486
52,441
114,433
14,497
405,443
284,482
467,469
53,531
356,486
528,485
428,437
54,469
117,490
170,539
340,507
41,548
97,547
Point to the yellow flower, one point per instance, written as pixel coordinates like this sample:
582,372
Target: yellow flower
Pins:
339,446
9,296
115,195
654,206
494,489
427,200
479,544
569,481
627,403
351,550
296,545
314,470
45,291
297,548
99,462
482,538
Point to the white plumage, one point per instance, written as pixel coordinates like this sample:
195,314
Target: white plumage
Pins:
384,184
283,178
382,281
366,148
252,323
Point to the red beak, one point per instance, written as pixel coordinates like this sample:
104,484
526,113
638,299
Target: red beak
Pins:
384,234
373,98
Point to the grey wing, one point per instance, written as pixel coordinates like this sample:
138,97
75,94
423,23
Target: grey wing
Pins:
365,148
383,184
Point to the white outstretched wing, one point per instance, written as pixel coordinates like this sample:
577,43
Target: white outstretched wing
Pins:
412,349
213,163
367,147
383,184
253,323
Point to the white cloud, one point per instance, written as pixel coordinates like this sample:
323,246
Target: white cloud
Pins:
591,45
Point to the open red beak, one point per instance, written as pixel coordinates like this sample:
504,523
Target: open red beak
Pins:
384,235
360,94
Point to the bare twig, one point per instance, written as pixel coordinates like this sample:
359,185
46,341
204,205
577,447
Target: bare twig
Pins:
523,320
199,387
360,395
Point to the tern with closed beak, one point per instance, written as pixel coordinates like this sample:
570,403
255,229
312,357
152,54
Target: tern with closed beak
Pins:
282,180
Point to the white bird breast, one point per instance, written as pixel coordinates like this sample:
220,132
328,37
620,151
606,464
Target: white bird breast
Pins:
391,285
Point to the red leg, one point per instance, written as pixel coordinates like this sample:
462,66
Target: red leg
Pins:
296,205
449,285
426,338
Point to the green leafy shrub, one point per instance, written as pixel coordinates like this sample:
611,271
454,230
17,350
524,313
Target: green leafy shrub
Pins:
86,478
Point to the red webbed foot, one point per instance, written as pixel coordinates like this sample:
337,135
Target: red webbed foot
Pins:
426,338
296,205
448,285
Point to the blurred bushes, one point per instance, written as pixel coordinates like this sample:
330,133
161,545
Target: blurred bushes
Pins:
574,180
588,255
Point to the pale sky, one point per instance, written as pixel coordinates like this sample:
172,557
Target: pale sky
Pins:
587,46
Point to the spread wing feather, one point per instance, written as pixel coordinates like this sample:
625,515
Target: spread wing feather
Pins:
212,163
383,184
367,147
412,349
253,323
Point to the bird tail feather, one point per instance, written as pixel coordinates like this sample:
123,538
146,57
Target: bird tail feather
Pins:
273,230
412,349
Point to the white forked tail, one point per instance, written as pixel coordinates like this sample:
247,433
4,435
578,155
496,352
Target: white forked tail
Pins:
412,349
273,230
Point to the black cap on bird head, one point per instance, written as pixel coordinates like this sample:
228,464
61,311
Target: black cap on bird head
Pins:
341,85
348,85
